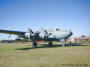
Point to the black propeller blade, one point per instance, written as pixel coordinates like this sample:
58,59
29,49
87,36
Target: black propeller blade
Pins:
30,31
34,36
45,32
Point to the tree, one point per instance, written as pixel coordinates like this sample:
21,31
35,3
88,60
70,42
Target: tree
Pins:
88,36
83,36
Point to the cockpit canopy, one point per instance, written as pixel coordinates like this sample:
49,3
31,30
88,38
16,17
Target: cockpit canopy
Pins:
57,29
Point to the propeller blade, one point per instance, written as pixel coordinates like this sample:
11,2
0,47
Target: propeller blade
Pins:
45,32
30,31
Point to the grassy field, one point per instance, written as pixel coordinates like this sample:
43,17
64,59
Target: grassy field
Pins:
23,55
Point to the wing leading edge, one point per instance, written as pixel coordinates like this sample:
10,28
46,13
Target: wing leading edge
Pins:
12,32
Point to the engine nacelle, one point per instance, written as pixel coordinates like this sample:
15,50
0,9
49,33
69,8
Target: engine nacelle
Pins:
27,35
42,36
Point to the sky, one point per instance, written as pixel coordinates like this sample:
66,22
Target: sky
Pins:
19,15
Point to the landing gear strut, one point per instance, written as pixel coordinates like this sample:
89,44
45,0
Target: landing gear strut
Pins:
34,44
50,43
64,43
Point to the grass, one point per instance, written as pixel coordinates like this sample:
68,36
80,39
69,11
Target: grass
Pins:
23,55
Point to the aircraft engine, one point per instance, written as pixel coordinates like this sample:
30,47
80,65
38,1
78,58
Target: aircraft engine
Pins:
27,35
42,36
34,36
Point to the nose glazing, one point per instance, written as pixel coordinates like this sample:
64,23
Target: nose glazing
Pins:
69,33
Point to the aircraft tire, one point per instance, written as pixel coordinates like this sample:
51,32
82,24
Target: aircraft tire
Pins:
34,44
50,43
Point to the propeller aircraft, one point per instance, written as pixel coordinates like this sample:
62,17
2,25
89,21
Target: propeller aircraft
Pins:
41,35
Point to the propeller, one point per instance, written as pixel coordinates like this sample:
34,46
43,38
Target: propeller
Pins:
30,31
34,36
46,34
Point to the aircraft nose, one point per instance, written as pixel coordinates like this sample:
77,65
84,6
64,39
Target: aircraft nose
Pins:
71,33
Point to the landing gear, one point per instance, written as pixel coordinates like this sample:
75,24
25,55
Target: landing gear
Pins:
64,43
34,44
50,43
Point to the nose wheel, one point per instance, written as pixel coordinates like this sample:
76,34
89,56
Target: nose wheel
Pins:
64,43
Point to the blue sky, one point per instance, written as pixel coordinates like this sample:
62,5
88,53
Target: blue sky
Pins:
64,14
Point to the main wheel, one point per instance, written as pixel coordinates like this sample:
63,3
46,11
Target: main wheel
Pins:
50,43
34,44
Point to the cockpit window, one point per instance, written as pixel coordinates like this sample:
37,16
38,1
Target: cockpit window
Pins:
57,29
50,33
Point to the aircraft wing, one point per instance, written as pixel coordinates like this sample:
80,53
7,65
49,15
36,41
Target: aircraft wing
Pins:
12,32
